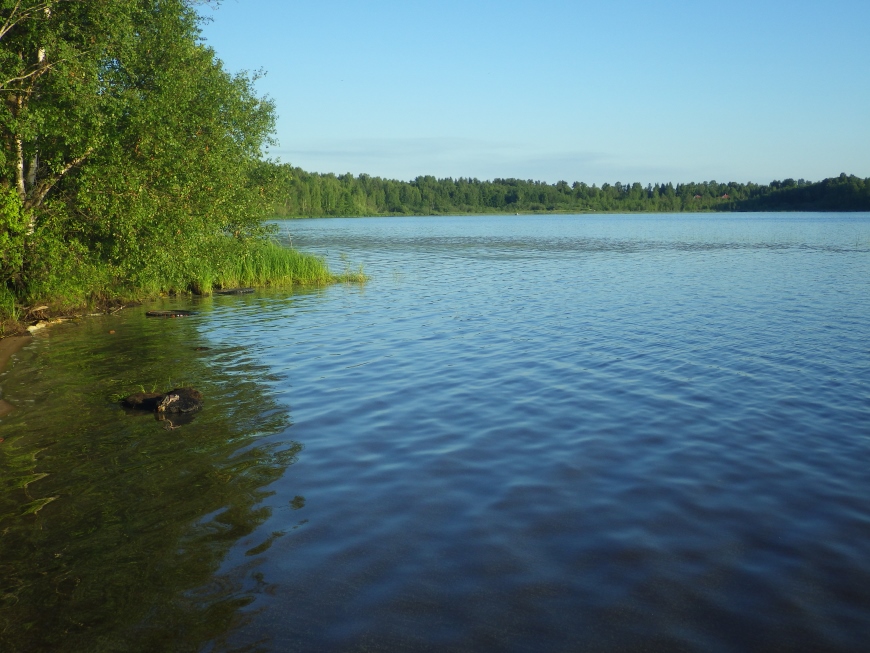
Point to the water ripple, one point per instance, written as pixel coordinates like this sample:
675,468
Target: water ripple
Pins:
579,434
564,433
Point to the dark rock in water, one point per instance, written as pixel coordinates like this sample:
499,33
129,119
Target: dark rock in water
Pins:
180,400
169,313
143,400
234,291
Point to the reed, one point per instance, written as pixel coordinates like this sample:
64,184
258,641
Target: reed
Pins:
268,263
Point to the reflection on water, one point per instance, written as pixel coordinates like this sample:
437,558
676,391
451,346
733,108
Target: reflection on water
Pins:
112,526
608,433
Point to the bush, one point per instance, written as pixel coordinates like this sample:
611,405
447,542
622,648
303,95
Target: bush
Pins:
13,228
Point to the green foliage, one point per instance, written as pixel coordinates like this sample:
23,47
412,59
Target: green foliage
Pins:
843,193
61,269
126,150
13,226
300,193
8,308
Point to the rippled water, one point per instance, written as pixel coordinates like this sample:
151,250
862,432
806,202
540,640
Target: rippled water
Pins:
604,433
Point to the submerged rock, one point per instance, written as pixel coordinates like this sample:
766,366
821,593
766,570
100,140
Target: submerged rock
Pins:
169,313
180,400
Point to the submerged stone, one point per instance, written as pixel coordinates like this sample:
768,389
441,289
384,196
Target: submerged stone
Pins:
181,400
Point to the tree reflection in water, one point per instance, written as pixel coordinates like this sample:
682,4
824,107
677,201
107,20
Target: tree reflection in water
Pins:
113,528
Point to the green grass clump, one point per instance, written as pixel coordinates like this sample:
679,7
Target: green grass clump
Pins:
9,309
65,278
268,263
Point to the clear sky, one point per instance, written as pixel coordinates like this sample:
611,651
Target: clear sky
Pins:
594,91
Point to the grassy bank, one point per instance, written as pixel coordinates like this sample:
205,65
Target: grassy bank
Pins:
260,263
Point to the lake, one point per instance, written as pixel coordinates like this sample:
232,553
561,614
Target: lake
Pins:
525,433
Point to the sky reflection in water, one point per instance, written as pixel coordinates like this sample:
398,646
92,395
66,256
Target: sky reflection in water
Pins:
554,433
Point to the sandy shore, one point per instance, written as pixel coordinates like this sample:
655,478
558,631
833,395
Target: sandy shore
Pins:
9,346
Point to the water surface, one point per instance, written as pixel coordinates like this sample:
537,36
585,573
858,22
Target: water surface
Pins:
525,433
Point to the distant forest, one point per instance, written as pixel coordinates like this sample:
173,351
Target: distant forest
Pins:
298,193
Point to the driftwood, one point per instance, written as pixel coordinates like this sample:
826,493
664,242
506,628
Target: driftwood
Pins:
170,313
234,291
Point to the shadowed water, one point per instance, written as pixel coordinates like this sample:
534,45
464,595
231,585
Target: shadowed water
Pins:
525,433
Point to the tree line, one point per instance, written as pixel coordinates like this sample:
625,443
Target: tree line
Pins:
297,193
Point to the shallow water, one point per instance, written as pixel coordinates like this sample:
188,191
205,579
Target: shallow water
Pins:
524,433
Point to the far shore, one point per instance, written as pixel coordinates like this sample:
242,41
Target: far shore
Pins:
704,212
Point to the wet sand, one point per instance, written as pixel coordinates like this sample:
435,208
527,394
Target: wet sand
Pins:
9,346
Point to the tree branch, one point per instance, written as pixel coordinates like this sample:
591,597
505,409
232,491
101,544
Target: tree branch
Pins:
35,73
41,189
10,23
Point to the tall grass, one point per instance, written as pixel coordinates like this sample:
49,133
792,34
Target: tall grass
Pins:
69,283
8,306
10,312
267,263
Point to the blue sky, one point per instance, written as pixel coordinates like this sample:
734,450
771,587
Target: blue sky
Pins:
581,91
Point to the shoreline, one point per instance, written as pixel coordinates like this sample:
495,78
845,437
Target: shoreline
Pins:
555,212
37,319
9,346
